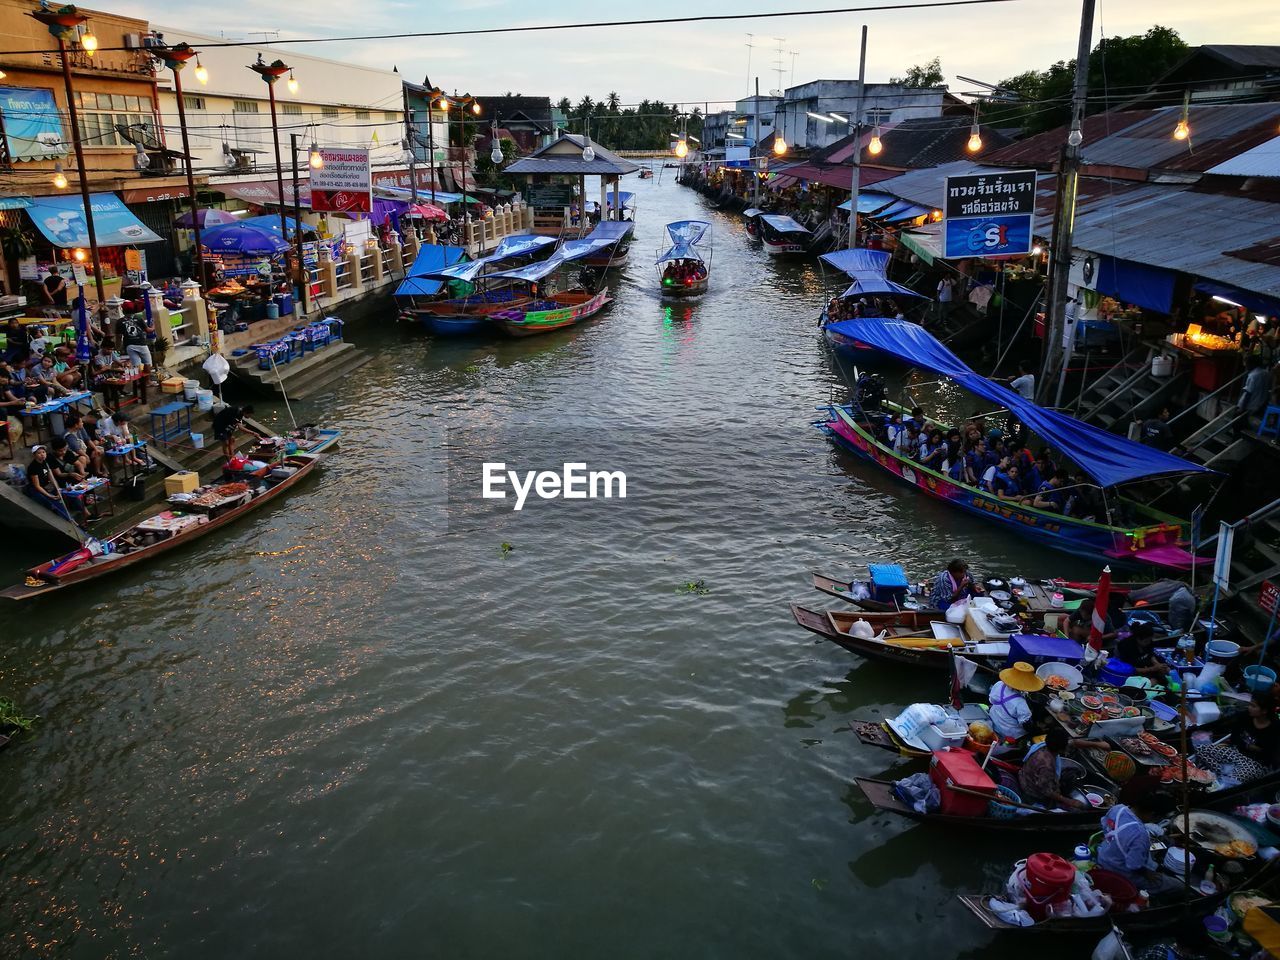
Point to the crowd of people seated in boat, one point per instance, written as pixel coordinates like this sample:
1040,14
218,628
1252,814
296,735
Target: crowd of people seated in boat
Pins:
680,271
847,308
995,462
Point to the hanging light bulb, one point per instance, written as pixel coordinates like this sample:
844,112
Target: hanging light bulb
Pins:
1183,130
89,42
3,74
80,255
975,140
315,159
682,148
588,152
59,178
201,73
293,83
1075,137
779,144
443,104
475,107
875,146
495,154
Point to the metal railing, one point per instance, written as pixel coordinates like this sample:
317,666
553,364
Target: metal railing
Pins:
1229,383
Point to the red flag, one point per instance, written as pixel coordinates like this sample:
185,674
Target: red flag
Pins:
1101,601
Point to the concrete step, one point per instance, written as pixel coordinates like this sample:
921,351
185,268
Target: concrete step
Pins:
297,372
325,377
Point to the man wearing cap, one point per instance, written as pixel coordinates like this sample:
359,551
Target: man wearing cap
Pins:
1010,712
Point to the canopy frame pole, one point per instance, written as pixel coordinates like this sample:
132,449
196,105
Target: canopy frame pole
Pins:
856,176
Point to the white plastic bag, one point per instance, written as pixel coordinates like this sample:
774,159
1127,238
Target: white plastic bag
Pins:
217,368
958,611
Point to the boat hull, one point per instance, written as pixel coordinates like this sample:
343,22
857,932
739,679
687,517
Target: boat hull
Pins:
817,622
528,323
456,326
1078,537
677,290
880,794
783,248
87,572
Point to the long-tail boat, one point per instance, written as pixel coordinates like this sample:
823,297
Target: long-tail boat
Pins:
782,236
684,266
164,531
544,313
869,271
1125,528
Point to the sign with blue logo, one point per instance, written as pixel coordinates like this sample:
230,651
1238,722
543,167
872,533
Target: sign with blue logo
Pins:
32,124
61,220
989,215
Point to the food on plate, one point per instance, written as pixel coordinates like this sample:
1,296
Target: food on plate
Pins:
1164,749
1091,716
1092,701
1236,849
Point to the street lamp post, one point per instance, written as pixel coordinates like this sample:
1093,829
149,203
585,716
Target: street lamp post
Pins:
856,178
62,24
304,277
175,58
271,72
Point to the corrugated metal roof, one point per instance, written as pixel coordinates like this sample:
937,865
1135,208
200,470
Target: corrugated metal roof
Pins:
925,187
1143,140
555,158
1245,54
1139,223
1262,161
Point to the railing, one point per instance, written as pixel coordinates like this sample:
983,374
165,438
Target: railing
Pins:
1193,406
1262,513
366,269
342,273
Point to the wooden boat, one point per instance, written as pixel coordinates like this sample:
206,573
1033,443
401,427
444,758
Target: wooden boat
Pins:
138,544
684,265
308,440
880,794
751,222
908,640
782,235
846,590
560,311
468,315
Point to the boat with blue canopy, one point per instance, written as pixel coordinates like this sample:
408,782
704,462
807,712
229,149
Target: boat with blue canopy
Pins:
782,235
871,295
1106,507
614,253
434,278
684,266
751,221
543,310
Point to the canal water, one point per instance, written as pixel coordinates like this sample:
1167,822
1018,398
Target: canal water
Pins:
357,724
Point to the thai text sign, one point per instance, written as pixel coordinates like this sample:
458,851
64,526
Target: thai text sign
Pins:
1268,596
990,214
342,183
32,124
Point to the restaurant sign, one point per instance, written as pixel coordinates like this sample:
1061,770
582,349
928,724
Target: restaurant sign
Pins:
342,183
989,215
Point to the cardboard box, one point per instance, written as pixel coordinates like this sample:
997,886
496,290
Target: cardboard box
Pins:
185,481
172,385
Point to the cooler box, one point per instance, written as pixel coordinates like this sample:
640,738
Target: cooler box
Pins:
1038,650
173,385
958,768
888,583
185,481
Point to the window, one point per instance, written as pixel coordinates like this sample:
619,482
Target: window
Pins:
391,116
291,109
362,114
98,128
192,103
329,112
244,106
879,115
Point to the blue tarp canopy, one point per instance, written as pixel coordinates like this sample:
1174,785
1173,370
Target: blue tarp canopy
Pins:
910,213
624,196
508,249
783,224
1108,458
1259,303
271,222
685,235
870,202
249,239
867,269
572,250
61,220
430,259
613,230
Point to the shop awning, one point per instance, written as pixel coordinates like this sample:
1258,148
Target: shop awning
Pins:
14,203
264,192
1251,301
61,220
870,202
1108,458
1136,283
926,246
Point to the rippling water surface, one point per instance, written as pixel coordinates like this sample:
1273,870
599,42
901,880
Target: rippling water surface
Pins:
350,726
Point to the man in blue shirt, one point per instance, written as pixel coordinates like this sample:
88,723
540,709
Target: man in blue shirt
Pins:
1049,496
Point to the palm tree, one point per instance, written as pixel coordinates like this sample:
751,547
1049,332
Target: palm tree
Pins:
613,101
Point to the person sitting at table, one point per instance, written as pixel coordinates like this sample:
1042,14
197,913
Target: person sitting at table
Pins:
66,368
67,467
1136,648
951,585
81,443
107,362
225,424
42,379
41,485
1040,779
114,433
16,346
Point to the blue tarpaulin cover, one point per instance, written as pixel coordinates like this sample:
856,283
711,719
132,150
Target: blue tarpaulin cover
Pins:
509,249
1036,649
783,224
624,196
1108,458
61,220
430,259
867,269
250,239
1136,283
571,250
1246,298
685,236
870,202
611,229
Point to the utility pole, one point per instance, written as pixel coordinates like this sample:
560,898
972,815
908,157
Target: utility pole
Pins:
304,275
411,139
1055,352
857,144
755,146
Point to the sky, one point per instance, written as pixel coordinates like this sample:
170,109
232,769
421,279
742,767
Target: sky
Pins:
699,63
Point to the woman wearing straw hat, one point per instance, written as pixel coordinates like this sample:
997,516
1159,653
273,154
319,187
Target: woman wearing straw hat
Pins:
1010,712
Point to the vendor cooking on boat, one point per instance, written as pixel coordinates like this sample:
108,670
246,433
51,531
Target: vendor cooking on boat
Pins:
952,585
1040,779
1126,844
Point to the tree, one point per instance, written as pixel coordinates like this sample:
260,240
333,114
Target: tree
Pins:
922,75
613,101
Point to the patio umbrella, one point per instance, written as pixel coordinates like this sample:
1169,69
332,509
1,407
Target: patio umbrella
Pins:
427,212
207,217
243,238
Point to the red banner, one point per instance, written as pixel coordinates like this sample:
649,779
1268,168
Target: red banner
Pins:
340,201
1267,596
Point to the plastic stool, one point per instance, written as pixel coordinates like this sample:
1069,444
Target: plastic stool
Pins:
1270,425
